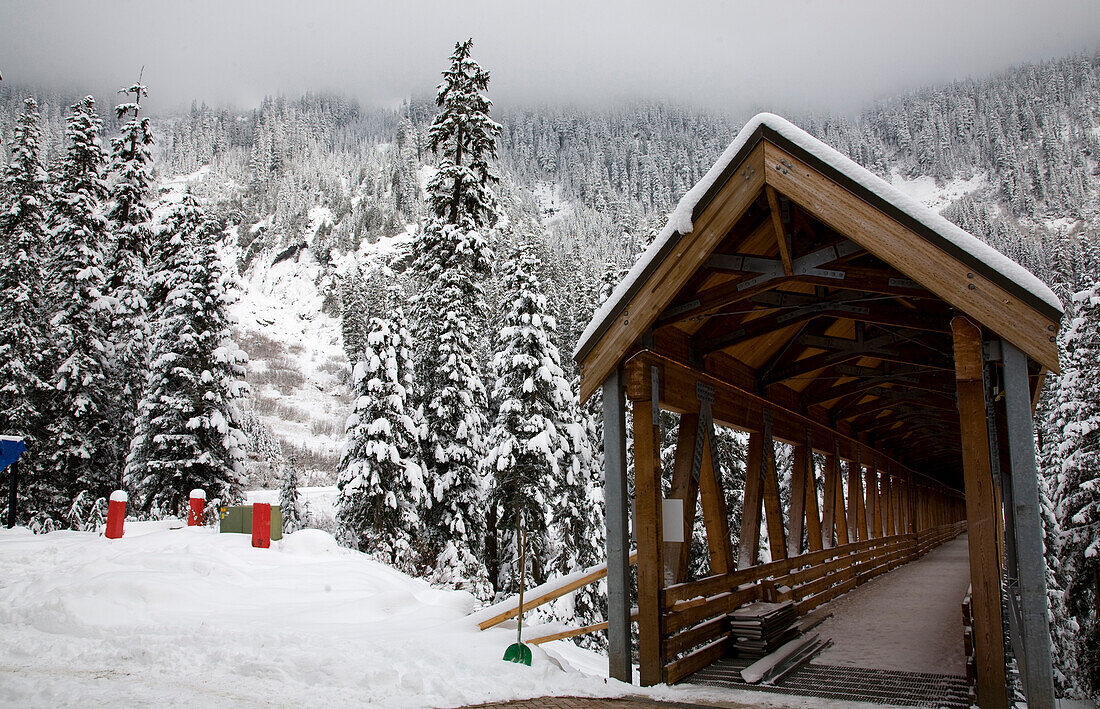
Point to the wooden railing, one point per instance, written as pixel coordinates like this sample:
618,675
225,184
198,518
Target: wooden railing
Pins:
540,595
694,629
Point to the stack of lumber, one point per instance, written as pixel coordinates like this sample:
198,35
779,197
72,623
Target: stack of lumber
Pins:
760,628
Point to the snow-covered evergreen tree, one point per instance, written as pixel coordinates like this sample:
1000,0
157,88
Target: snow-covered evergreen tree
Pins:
24,333
1077,419
529,443
130,216
381,479
353,322
188,429
82,436
174,236
290,502
464,136
578,520
453,258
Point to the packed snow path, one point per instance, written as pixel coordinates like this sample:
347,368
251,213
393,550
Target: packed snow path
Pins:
909,620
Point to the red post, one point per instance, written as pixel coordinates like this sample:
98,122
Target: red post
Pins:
116,514
198,503
261,525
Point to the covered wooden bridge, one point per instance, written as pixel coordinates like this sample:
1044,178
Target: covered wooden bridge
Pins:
798,297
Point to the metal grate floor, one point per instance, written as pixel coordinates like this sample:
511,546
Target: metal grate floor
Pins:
850,683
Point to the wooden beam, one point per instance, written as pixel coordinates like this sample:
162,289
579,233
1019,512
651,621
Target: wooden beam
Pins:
901,381
890,400
749,548
890,496
840,510
980,515
901,355
828,502
813,516
857,512
684,487
772,505
796,522
715,515
647,525
913,255
718,335
874,514
780,232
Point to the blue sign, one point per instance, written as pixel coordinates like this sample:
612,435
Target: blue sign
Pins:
10,450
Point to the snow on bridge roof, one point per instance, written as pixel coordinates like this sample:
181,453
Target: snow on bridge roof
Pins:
980,255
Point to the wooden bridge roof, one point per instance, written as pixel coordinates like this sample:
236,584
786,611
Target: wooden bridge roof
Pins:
793,272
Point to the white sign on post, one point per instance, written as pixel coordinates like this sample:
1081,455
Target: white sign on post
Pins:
672,520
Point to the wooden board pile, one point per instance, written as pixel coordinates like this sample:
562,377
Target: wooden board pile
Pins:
760,628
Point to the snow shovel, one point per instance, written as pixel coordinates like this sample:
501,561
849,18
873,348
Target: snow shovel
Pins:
517,651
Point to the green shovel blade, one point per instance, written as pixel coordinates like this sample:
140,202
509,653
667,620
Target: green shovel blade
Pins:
518,652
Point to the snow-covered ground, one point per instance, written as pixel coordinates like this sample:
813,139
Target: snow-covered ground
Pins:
177,616
925,190
187,616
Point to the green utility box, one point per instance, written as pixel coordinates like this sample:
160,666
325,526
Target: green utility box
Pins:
238,520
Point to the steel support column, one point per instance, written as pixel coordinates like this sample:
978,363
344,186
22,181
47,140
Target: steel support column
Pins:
1037,668
618,529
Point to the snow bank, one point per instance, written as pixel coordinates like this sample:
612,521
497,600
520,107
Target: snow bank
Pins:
680,221
168,617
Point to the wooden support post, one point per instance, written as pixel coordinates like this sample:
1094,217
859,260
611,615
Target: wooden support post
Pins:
981,515
857,513
796,523
684,487
749,550
891,504
772,505
715,515
874,519
1037,665
882,504
618,530
813,517
911,525
647,526
828,502
840,511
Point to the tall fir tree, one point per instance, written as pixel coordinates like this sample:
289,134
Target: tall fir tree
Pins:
82,435
529,443
578,522
452,261
290,501
353,320
188,429
24,335
381,479
464,136
1076,412
130,217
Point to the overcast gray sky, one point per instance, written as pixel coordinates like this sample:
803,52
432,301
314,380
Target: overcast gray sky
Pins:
783,54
